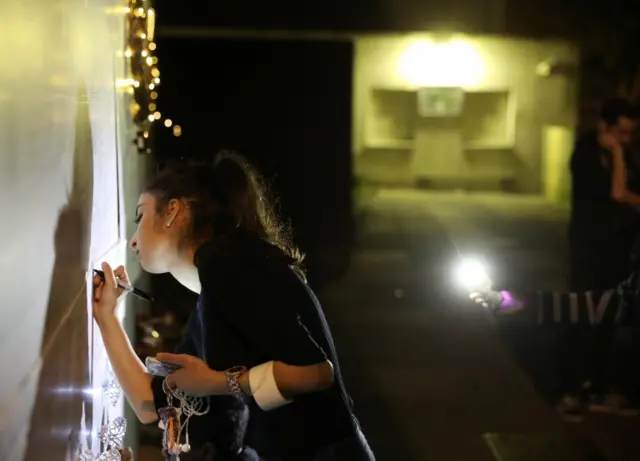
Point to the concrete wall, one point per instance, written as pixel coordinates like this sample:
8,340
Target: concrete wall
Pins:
64,167
493,65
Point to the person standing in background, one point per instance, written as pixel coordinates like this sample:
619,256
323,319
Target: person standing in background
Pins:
601,238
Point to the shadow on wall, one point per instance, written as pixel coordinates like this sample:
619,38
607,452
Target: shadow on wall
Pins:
57,418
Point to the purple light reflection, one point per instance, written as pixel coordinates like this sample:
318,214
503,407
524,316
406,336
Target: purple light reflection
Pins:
508,301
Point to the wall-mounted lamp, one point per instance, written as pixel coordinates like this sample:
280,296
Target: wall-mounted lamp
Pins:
551,67
451,63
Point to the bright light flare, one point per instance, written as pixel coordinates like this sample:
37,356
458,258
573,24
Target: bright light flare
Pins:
455,63
471,274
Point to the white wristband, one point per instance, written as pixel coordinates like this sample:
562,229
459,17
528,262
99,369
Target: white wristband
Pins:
264,388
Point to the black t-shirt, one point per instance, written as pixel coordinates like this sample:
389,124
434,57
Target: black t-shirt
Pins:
592,208
601,230
596,219
254,308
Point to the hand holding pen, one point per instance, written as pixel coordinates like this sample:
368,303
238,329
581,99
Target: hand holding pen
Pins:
108,285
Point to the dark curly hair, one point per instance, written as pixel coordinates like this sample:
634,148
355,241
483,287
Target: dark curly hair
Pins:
224,196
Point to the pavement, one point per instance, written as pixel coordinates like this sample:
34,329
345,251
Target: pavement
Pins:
432,378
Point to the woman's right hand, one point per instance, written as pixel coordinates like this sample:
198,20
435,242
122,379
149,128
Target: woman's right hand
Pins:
106,292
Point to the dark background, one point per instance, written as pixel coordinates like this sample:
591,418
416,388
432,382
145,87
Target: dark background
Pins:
284,105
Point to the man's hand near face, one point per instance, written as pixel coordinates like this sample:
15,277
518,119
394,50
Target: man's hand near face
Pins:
609,142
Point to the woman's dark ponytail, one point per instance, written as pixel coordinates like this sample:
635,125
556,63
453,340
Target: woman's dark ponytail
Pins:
225,196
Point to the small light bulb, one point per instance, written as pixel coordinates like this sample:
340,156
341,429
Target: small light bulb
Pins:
151,118
151,86
177,130
154,95
156,81
144,53
152,107
149,61
168,123
128,53
152,46
157,115
145,134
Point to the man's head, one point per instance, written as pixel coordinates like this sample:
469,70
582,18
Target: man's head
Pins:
618,119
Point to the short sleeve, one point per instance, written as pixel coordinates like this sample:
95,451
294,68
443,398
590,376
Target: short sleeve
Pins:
186,346
265,305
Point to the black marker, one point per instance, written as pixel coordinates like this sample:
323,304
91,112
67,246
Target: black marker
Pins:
134,291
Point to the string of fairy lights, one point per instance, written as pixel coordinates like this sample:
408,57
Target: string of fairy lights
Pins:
144,77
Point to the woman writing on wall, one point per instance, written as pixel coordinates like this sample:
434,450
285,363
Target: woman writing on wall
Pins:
257,344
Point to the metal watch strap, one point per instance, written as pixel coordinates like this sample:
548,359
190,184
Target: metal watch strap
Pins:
232,375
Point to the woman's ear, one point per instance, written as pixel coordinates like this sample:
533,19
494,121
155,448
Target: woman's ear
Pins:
173,208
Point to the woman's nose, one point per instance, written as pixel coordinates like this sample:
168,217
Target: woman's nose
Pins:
133,244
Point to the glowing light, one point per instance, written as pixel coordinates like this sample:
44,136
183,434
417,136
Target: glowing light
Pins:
125,83
450,64
89,391
145,75
151,23
471,274
118,10
543,69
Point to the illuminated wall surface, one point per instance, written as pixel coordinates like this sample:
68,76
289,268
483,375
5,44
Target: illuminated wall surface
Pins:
512,94
65,175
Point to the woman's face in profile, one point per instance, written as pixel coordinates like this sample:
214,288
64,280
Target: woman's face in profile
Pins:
152,240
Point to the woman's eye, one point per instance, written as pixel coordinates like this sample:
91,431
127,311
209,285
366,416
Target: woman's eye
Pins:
137,220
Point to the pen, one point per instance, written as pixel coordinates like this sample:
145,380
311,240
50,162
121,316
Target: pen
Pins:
133,290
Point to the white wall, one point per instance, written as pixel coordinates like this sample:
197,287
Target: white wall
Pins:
63,140
509,64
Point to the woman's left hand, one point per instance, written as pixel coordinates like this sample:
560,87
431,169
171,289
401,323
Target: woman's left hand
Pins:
194,377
